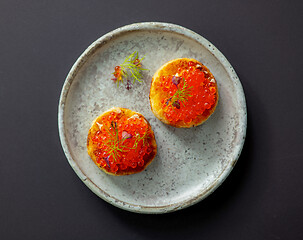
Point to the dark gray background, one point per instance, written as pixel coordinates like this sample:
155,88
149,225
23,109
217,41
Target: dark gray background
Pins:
42,198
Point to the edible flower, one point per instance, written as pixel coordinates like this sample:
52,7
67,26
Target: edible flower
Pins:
107,161
176,80
126,135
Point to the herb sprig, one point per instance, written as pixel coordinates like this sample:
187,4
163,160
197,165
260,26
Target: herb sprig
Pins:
144,137
131,68
114,145
180,96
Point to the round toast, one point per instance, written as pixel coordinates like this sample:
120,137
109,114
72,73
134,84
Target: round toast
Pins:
121,142
183,93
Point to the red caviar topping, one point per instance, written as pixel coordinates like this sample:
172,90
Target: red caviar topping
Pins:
118,74
187,94
122,142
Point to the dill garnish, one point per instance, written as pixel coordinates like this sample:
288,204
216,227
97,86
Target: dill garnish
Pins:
114,145
131,68
180,96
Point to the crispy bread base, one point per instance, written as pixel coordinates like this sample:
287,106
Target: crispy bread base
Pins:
170,68
91,147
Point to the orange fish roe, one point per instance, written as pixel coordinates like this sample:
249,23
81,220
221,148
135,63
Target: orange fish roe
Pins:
122,143
187,94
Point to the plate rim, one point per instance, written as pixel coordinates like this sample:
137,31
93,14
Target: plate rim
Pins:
168,27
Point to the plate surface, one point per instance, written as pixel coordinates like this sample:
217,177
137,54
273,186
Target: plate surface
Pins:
191,163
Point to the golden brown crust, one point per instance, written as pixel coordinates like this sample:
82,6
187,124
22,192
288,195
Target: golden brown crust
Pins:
91,146
170,68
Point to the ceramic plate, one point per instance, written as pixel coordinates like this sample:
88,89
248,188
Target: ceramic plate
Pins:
190,163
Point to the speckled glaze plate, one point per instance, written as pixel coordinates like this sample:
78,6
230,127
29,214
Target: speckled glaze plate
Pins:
191,163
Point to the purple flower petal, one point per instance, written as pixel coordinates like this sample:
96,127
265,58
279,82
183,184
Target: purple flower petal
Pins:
128,85
126,135
176,80
168,100
176,104
107,161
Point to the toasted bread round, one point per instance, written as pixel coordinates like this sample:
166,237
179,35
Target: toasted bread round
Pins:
183,93
121,142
